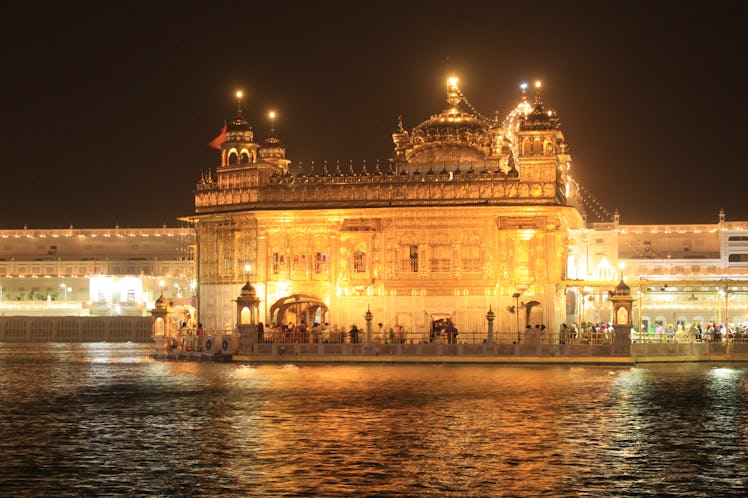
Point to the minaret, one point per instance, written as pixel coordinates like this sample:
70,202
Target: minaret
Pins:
542,148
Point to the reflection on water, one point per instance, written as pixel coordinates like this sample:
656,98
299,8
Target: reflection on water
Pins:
106,419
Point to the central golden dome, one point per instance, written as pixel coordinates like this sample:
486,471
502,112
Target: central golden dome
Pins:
454,137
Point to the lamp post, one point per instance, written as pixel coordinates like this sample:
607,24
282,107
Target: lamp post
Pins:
516,311
65,290
726,292
490,316
368,317
727,318
162,286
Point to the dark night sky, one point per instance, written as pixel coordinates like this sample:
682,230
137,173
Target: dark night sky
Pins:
107,108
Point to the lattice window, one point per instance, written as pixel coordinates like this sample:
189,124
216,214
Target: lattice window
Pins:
359,261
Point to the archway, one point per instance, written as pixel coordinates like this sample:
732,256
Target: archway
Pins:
298,308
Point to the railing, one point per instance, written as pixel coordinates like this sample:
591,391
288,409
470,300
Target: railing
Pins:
504,342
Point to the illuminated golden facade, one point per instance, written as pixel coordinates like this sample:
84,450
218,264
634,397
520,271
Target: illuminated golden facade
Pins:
469,213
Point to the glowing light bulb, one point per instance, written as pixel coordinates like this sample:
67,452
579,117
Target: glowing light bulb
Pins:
239,94
523,85
452,81
271,114
538,84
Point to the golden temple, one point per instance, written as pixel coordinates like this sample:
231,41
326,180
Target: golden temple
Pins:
470,214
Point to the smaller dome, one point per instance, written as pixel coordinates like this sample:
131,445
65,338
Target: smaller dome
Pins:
272,140
622,289
248,290
162,302
539,119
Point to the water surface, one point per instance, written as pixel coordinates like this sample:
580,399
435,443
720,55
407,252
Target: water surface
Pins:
105,419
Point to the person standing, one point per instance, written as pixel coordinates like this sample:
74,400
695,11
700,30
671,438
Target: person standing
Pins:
354,334
200,336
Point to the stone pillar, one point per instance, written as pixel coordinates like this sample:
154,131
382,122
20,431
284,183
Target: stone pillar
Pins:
490,316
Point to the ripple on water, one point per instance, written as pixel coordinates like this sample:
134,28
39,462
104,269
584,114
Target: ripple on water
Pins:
106,419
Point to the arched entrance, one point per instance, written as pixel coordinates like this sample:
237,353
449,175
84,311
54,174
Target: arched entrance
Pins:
298,308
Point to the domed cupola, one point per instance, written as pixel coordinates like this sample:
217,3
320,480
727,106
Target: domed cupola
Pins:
238,129
162,302
622,289
539,119
272,150
272,145
248,291
235,142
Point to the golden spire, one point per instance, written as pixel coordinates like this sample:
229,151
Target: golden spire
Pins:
239,95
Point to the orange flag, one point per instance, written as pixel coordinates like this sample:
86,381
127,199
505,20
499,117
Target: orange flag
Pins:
216,142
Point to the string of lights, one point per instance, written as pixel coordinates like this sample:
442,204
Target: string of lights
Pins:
593,204
472,108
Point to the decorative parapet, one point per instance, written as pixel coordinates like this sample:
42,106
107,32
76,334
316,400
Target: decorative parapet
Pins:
384,190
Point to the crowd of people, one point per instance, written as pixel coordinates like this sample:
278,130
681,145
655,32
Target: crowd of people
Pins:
603,333
190,339
324,333
694,332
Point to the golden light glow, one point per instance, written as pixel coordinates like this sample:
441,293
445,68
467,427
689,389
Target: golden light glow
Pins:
526,234
239,94
271,114
538,84
452,81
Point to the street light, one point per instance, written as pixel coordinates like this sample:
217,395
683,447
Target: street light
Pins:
516,311
65,289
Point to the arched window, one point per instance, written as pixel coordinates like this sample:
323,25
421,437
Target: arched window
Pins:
537,146
527,146
246,316
244,159
232,158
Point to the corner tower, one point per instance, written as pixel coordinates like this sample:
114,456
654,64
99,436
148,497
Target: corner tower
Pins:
541,149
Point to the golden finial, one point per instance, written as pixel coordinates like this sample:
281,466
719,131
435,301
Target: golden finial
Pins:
239,96
453,91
